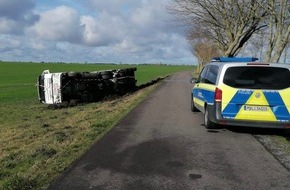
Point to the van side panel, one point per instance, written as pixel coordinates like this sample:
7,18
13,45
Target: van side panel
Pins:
203,93
285,94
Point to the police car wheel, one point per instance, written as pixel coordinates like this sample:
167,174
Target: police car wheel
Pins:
193,108
287,133
207,122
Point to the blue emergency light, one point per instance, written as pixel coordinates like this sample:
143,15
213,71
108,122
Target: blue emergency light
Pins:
234,59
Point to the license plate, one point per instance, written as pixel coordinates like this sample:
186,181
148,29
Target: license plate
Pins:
256,108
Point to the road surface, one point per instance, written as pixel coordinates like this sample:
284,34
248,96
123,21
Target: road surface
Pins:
163,145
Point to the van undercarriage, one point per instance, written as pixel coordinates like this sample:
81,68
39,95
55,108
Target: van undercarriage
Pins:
75,87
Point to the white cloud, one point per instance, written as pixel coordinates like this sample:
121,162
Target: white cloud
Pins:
103,30
8,26
115,7
94,31
8,44
128,45
16,15
150,15
15,9
61,23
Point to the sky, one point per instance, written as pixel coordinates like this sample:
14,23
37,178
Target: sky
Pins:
92,31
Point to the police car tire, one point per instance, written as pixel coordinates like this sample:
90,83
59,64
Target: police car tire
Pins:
287,132
193,108
207,122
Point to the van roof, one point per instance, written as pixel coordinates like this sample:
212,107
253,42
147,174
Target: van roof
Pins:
229,64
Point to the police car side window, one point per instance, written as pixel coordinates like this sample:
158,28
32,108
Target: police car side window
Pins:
212,74
200,75
209,74
203,74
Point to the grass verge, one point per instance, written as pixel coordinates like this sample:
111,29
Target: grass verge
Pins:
37,143
278,145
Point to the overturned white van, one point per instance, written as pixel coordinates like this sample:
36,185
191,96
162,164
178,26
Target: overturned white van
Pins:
71,87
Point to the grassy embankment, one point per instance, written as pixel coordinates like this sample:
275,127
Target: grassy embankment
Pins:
37,143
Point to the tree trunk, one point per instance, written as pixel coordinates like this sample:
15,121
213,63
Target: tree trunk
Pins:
279,30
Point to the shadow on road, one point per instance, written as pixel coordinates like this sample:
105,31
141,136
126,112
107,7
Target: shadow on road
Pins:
261,131
253,131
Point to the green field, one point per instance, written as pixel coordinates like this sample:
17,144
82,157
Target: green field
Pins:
38,143
17,80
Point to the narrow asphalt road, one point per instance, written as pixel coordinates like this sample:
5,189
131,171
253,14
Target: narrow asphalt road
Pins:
163,145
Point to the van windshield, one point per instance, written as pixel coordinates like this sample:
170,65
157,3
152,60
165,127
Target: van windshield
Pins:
257,77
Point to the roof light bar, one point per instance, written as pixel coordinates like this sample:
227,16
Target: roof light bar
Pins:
234,59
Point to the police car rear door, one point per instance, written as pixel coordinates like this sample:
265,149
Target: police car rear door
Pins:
256,92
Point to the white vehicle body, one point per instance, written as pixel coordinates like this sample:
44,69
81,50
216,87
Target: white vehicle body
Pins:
71,87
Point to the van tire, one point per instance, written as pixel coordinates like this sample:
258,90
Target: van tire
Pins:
107,75
287,133
193,108
207,122
72,74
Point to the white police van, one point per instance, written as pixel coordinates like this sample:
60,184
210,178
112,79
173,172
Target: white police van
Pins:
243,92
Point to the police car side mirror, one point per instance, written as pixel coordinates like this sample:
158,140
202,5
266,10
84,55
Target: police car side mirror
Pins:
193,80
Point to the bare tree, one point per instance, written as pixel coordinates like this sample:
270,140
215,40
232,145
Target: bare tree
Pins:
286,52
228,23
278,28
256,44
203,49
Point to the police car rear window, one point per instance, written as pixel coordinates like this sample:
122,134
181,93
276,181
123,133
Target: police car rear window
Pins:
257,77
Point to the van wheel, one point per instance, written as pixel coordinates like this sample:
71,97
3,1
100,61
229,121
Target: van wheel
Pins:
193,108
107,75
72,74
287,133
207,122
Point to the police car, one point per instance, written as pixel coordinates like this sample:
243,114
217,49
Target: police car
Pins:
243,92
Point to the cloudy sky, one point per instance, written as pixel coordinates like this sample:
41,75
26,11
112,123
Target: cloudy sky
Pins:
119,31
